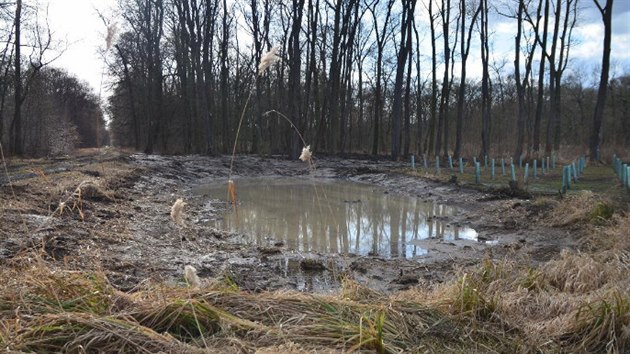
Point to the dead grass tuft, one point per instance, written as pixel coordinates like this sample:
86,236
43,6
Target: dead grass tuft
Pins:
574,209
580,273
84,332
602,325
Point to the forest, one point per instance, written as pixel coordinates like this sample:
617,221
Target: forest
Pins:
264,176
378,77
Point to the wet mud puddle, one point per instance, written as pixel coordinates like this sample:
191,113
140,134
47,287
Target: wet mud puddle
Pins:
332,216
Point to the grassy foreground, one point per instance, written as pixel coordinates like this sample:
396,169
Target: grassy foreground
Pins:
578,302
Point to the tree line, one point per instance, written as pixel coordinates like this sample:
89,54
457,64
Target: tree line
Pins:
44,110
356,76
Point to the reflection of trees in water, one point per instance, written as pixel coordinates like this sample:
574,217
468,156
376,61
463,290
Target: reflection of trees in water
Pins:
337,218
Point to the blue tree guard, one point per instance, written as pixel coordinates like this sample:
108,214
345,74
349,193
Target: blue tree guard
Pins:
566,180
548,164
502,166
526,175
492,169
477,173
461,165
513,173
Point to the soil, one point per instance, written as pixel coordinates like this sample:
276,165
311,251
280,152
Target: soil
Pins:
110,210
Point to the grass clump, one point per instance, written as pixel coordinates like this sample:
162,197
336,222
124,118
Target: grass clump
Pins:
602,326
38,289
601,213
84,332
185,320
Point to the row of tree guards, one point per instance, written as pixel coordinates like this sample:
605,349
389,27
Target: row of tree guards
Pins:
622,170
570,172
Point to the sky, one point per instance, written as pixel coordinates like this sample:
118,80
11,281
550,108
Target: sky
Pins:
80,33
76,23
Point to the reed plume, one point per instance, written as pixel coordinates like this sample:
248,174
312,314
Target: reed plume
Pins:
177,212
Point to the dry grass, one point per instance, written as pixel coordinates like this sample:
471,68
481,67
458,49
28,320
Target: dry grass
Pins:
577,302
46,309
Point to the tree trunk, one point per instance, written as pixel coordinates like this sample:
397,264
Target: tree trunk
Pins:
598,116
445,13
16,125
541,71
294,77
485,82
433,116
461,94
224,79
403,53
381,36
520,90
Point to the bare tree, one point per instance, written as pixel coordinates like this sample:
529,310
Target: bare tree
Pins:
485,80
442,122
225,37
430,142
297,9
606,12
403,53
465,50
541,67
381,34
16,125
520,83
565,14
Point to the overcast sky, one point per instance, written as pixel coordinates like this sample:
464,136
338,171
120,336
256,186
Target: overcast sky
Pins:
76,22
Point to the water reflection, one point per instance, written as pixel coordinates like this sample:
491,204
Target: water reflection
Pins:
332,216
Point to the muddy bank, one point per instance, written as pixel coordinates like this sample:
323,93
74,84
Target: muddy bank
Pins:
112,211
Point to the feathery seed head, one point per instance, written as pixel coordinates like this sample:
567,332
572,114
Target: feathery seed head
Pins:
112,31
306,154
268,59
177,211
190,274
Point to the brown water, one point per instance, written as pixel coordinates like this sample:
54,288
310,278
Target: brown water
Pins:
333,216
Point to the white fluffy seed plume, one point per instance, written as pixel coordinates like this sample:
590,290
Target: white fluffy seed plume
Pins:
177,212
306,154
268,59
190,274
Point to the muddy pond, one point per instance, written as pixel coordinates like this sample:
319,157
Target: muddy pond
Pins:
334,216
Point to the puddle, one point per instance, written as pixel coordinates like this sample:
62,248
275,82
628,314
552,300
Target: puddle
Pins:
332,216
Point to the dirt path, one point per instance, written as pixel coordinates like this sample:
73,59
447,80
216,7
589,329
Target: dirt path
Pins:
116,206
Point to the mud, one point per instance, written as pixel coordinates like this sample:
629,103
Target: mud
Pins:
123,225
